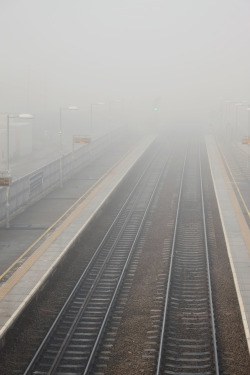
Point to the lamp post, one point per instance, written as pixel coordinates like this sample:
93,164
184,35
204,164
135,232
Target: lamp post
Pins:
7,178
70,108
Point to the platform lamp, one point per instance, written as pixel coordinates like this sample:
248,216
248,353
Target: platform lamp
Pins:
7,174
70,108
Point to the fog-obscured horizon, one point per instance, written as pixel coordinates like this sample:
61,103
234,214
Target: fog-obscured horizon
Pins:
185,57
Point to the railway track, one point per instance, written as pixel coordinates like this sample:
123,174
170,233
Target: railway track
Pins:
72,342
188,339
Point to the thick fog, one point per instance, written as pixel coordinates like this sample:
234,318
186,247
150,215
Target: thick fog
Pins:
185,57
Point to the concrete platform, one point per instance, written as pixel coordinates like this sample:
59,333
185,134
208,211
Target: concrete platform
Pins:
19,286
236,231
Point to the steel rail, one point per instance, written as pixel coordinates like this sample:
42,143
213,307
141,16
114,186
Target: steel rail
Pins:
91,262
90,293
170,273
68,302
208,276
210,326
92,355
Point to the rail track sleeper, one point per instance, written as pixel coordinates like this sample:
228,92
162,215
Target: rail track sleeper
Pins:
168,372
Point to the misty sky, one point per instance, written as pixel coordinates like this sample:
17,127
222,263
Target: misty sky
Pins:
186,55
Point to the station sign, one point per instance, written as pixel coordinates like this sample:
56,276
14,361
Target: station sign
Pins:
81,139
245,141
5,179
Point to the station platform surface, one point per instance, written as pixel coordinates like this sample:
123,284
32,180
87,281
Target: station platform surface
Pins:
235,227
38,238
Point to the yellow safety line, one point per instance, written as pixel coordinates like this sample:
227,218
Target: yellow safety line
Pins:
65,213
241,197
